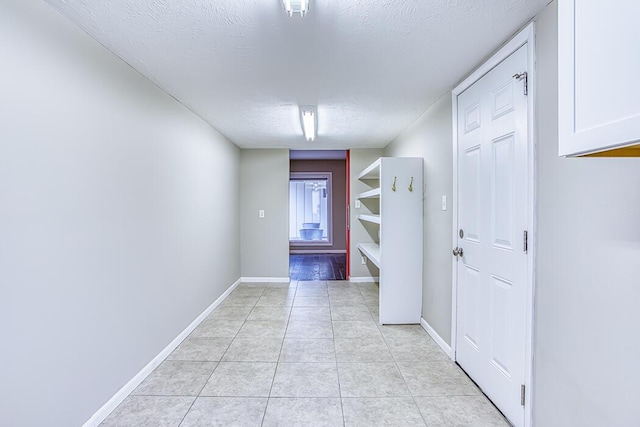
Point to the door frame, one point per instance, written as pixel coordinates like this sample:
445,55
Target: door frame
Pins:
525,37
348,213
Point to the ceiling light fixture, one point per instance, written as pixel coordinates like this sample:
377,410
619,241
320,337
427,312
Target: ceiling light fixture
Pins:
308,118
296,6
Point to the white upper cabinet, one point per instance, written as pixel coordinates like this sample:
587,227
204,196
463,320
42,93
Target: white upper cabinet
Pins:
599,75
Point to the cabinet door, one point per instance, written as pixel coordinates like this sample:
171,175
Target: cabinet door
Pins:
599,72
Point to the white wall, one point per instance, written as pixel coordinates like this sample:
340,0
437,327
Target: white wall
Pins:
430,137
588,285
265,185
118,219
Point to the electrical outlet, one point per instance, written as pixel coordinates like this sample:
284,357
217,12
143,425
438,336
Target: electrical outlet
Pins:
261,213
444,203
363,260
358,204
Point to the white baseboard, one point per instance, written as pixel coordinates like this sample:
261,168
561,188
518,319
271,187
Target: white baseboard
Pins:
102,413
437,338
265,279
317,251
364,279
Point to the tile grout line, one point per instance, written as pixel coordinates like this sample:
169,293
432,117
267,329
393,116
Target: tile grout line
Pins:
435,396
279,354
344,421
221,358
335,353
395,362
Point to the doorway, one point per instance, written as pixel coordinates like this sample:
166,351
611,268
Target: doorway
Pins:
493,222
318,215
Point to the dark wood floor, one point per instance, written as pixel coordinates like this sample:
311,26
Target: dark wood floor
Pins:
317,267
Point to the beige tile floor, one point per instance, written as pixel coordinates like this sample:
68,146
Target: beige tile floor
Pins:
305,354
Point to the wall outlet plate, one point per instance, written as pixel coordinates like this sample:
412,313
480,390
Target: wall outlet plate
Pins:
358,204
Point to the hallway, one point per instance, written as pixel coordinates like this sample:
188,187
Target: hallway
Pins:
305,353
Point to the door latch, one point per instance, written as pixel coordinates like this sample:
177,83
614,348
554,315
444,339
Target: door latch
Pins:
523,76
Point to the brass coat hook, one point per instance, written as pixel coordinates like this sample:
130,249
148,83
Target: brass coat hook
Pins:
393,187
411,185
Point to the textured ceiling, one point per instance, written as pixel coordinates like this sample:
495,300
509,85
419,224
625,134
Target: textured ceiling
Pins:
371,66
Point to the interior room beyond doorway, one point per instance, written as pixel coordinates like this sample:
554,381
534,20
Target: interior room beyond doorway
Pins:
318,215
305,267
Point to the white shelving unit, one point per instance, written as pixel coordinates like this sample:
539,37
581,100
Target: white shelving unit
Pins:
397,183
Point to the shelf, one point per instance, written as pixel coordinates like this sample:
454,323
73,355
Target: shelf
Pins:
371,194
371,251
369,218
371,172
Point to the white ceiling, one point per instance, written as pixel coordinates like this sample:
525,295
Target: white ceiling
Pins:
371,66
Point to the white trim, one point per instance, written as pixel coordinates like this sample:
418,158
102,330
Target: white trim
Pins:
364,279
317,251
519,40
265,279
525,36
454,213
101,414
318,243
437,338
531,226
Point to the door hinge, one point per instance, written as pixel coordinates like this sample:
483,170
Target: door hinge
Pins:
525,77
348,217
526,241
522,395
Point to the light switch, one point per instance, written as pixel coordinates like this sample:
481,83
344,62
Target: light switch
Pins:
261,213
444,203
358,204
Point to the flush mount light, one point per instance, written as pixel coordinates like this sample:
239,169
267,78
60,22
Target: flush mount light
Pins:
308,118
296,6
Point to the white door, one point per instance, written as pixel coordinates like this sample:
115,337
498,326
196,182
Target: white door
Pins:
492,217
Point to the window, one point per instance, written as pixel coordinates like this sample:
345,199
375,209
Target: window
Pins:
310,208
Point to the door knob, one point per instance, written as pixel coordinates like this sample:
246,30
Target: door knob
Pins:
458,252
